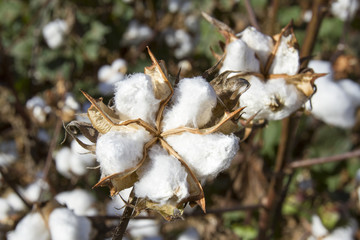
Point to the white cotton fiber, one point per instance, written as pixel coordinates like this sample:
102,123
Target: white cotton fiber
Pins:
64,224
5,209
190,234
193,101
116,205
262,44
320,66
31,227
317,228
54,33
240,57
33,191
286,60
147,229
162,178
78,200
62,162
134,98
206,155
15,202
344,9
352,89
120,150
136,33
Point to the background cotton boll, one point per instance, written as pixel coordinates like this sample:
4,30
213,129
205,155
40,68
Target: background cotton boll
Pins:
162,178
134,98
78,200
70,103
184,44
259,42
190,234
286,60
116,205
62,161
5,209
33,191
206,155
15,202
119,65
344,9
31,227
8,153
352,89
239,57
104,73
320,66
136,33
64,224
317,228
144,228
54,33
194,99
119,150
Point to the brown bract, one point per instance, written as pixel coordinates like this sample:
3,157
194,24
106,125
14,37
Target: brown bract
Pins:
104,119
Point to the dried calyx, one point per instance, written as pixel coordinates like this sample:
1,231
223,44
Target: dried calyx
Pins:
271,65
161,141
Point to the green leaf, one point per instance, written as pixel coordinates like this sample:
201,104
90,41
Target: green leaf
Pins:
97,32
10,11
245,232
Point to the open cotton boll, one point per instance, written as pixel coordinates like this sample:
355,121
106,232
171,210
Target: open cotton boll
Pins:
33,191
286,60
162,178
120,150
194,99
62,162
54,33
135,98
116,205
8,153
119,65
352,89
64,224
78,200
317,228
31,227
344,9
262,44
206,155
136,33
320,66
71,103
15,202
104,73
5,209
81,158
144,228
185,46
240,57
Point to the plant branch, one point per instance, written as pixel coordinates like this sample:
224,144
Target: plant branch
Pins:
121,228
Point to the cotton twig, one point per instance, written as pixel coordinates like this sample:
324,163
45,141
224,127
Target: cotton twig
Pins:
121,228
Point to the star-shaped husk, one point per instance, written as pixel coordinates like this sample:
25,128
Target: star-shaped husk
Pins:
269,64
105,119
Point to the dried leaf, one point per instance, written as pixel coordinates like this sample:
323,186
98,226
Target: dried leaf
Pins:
224,29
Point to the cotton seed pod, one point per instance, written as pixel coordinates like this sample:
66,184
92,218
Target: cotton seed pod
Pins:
136,140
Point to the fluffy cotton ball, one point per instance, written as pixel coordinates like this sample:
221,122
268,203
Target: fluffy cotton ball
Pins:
70,103
64,224
190,234
116,205
119,65
239,57
136,33
78,200
259,42
109,75
344,9
206,155
134,98
194,99
335,102
31,227
80,159
8,153
162,178
39,108
286,60
5,209
54,33
120,150
15,202
184,41
317,228
144,228
63,165
33,191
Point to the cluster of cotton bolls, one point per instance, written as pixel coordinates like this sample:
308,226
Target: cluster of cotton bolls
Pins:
335,102
74,160
39,109
345,9
318,230
108,75
251,53
181,41
136,33
55,33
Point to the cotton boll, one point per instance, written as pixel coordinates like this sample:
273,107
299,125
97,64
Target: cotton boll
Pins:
64,224
190,234
134,98
240,57
184,41
144,228
39,108
70,103
162,178
8,153
15,202
104,73
317,228
120,150
78,200
320,66
5,209
344,9
54,33
259,42
206,155
81,158
286,60
194,99
136,33
33,191
62,162
31,227
119,65
352,89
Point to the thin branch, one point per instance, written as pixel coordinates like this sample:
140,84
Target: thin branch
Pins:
251,14
124,222
322,160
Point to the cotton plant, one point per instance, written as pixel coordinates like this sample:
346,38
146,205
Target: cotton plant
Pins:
74,160
319,231
271,66
344,94
159,140
108,75
55,33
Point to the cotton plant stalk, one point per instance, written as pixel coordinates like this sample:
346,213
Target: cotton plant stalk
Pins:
271,65
159,139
